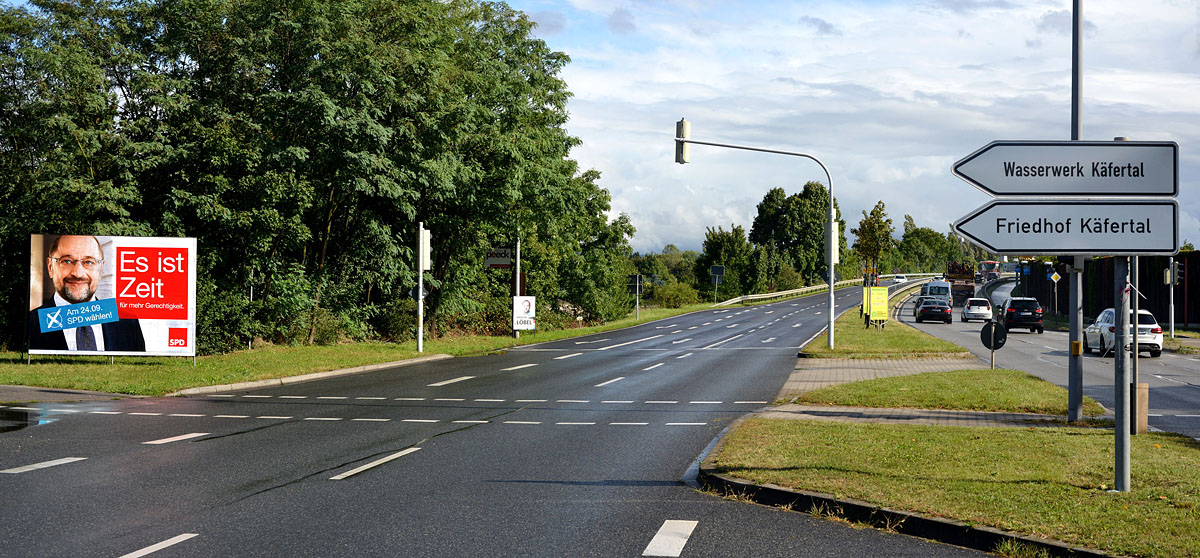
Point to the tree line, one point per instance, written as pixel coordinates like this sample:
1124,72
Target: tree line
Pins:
301,142
785,250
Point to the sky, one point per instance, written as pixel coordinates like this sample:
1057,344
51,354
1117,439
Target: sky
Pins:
888,94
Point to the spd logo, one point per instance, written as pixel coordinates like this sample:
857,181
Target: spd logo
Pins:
177,337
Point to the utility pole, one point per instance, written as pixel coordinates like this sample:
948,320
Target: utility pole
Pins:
1075,280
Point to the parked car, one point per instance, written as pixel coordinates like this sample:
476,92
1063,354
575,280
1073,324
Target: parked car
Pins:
935,309
1022,311
976,309
899,279
1101,334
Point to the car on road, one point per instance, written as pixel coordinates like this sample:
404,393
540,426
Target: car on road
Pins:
976,309
899,279
935,309
1101,334
1022,312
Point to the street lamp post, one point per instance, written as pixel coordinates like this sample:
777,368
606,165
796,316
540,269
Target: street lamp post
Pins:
682,139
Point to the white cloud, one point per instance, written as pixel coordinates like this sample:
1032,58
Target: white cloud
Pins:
887,93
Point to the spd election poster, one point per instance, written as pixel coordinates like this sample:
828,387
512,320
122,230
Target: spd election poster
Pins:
112,295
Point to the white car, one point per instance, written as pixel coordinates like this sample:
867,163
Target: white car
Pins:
976,309
899,279
1100,334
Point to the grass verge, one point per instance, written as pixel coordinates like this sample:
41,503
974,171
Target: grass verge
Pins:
1050,482
853,339
1011,391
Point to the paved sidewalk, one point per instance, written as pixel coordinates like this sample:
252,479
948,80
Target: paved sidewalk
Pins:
813,373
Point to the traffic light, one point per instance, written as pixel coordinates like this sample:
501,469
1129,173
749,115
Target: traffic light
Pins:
683,130
426,254
1178,272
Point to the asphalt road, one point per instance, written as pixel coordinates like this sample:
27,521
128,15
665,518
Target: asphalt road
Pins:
579,447
1174,379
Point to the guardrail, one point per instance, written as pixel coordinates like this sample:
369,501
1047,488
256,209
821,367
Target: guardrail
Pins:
785,294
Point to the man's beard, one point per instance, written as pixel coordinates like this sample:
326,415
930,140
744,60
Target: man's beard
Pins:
76,293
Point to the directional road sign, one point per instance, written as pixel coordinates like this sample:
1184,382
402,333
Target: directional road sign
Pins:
1064,227
1074,168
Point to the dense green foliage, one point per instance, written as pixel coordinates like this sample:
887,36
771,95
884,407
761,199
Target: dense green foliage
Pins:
301,143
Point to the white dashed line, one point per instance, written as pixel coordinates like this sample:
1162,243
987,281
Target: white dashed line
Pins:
681,341
687,424
157,547
371,398
564,357
449,399
723,342
146,414
511,368
185,415
705,402
618,402
232,416
451,381
175,438
273,417
109,413
42,465
370,420
575,423
628,424
749,402
612,381
521,422
572,401
685,355
303,396
670,538
409,399
470,421
325,419
336,397
258,396
652,367
372,464
420,420
661,402
532,400
629,342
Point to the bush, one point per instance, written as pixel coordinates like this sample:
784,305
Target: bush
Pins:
396,321
675,295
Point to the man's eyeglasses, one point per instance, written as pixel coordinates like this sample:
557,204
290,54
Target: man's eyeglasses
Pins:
68,263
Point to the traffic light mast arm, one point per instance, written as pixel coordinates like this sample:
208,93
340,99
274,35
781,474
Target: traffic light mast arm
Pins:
683,132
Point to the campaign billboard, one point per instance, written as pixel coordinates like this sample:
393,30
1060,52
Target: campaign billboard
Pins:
112,295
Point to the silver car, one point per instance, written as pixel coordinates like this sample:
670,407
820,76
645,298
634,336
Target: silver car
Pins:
976,309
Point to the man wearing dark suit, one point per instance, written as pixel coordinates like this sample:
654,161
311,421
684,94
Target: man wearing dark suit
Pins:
75,264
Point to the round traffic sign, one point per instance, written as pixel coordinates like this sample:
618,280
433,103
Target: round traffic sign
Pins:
993,335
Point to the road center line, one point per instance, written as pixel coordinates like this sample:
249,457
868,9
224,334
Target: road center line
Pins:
612,381
43,465
671,538
448,382
175,438
157,547
565,357
652,367
375,463
511,368
629,343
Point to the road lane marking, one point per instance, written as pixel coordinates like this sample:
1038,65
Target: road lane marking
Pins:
489,400
327,419
590,342
565,357
42,465
628,424
185,415
532,400
518,367
371,398
693,327
293,397
618,402
147,414
687,424
722,342
681,341
661,402
612,381
576,423
666,326
337,397
449,399
652,367
157,547
629,342
705,402
670,538
451,381
111,413
232,416
522,422
258,396
370,420
685,355
373,464
767,340
677,331
419,420
469,421
572,401
409,399
175,438
749,402
273,417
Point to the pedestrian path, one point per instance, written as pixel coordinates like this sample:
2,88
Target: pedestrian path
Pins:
814,373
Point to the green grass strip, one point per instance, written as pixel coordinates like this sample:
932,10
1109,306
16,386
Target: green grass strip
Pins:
1010,391
1050,482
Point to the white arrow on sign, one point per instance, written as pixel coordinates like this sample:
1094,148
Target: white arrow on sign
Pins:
1137,227
1073,168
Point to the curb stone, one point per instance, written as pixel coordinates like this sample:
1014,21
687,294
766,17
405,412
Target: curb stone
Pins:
305,377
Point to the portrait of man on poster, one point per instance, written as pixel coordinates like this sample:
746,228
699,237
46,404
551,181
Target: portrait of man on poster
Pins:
74,264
